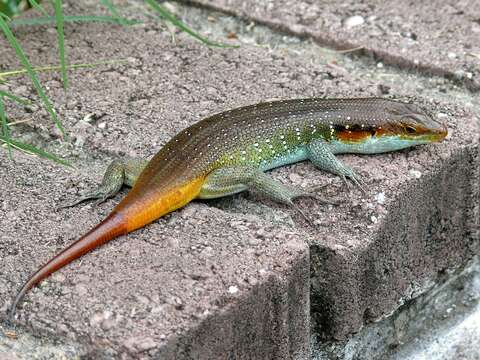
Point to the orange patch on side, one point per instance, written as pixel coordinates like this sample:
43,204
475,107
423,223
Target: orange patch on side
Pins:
361,135
353,136
165,203
384,132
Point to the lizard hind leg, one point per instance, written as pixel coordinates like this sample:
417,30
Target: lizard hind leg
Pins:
230,180
118,173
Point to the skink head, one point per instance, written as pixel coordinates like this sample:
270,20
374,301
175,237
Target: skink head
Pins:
412,123
396,126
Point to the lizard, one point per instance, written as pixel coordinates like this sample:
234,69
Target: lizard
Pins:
230,152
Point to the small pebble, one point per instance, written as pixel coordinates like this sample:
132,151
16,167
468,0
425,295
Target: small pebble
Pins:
295,178
99,317
295,244
8,356
253,242
89,118
57,132
261,233
139,343
11,334
415,173
380,197
232,289
146,344
354,21
58,277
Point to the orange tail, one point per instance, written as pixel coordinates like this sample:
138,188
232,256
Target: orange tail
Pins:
137,209
114,225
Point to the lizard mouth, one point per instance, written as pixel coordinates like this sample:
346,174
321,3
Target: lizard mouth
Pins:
431,131
439,136
435,134
442,133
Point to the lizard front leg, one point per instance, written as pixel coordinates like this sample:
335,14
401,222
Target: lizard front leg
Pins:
118,173
231,180
323,158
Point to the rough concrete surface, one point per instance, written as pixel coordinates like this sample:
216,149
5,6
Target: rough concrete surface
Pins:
413,234
228,277
202,272
441,324
437,37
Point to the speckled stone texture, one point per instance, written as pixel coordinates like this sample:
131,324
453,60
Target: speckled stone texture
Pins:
197,285
226,277
425,228
439,37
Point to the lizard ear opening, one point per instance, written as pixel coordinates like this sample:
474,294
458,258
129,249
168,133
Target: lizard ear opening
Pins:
410,129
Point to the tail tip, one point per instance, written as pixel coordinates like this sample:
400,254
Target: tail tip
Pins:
11,311
14,305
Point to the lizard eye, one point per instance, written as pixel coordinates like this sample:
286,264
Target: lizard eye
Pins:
410,129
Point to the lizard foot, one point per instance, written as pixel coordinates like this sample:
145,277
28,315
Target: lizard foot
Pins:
97,194
311,192
310,221
356,179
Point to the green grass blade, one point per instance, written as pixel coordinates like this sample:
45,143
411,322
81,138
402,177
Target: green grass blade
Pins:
9,8
61,41
30,149
114,11
35,5
5,128
74,18
21,55
56,67
167,15
14,98
2,15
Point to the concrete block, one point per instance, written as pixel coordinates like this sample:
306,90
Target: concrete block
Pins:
231,276
438,38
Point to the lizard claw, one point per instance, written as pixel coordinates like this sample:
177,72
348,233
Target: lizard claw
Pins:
65,205
316,188
100,200
357,180
319,198
311,193
84,197
308,219
360,183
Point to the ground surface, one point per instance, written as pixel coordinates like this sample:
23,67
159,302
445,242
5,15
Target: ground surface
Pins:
441,324
439,38
196,283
